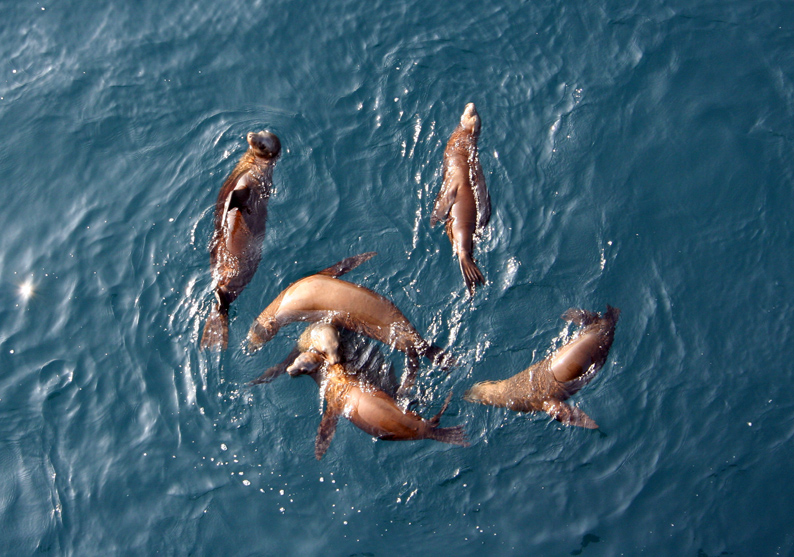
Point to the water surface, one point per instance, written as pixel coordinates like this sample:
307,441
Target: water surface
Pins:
638,154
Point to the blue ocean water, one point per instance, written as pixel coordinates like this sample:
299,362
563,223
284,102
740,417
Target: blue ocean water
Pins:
637,153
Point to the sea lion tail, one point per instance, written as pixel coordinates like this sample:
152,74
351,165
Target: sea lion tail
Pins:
347,265
216,330
471,273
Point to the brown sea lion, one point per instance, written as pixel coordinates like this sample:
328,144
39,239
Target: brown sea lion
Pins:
236,246
370,409
463,201
323,297
317,344
545,385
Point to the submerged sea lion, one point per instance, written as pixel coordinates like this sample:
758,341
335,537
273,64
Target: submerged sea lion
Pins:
545,385
463,201
369,408
236,247
323,297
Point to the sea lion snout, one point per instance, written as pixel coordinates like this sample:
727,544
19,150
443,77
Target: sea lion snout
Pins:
470,119
265,144
305,363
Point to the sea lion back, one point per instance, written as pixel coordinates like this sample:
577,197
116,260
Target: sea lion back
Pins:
240,218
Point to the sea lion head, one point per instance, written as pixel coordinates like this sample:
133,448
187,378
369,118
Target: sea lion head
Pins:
261,331
264,144
323,339
306,362
484,392
470,120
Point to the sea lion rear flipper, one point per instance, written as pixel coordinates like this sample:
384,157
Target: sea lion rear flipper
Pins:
276,370
347,265
437,418
569,415
325,433
216,329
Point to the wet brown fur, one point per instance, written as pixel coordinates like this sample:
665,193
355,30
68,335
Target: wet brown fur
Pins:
463,200
323,297
348,393
375,413
235,249
545,385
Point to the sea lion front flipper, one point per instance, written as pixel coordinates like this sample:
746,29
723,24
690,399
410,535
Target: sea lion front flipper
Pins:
569,415
325,433
347,265
440,357
471,273
278,369
444,201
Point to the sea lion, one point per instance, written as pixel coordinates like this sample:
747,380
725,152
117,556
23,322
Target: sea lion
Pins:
316,344
236,246
369,408
463,201
545,385
323,297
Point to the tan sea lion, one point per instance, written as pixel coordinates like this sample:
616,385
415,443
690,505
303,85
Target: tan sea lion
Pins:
236,246
545,385
318,343
323,297
463,201
370,409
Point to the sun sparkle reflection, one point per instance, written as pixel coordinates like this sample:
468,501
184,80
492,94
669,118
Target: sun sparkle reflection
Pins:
26,289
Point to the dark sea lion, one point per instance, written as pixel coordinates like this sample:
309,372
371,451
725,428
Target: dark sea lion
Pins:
323,297
463,201
545,385
236,246
370,409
